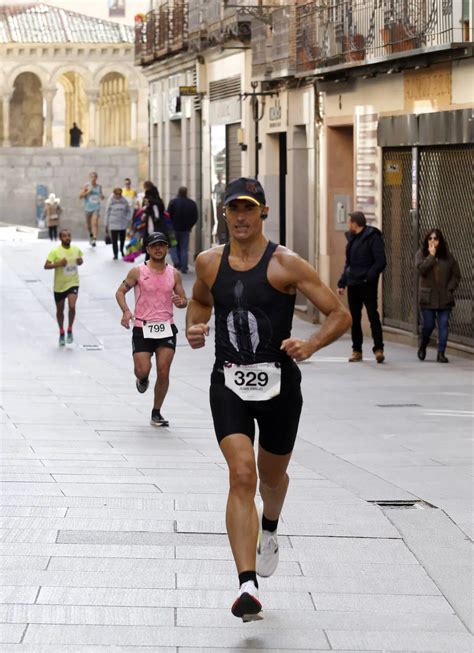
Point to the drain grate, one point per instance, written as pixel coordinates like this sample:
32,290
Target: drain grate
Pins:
416,504
398,405
92,347
31,280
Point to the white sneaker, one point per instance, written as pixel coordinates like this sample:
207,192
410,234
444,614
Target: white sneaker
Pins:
247,606
267,548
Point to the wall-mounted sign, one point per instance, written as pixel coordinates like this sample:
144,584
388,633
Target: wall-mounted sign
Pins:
187,91
392,174
367,185
276,113
428,86
223,112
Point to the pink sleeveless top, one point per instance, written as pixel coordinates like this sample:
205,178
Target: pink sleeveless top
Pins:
153,293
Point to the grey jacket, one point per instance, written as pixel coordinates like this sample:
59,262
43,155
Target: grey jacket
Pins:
438,279
117,213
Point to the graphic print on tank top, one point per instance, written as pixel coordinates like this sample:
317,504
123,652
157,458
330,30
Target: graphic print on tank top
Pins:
242,325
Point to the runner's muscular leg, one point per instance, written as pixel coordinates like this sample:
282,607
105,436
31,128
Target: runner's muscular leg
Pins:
88,221
72,299
164,358
273,481
95,225
241,516
60,313
142,364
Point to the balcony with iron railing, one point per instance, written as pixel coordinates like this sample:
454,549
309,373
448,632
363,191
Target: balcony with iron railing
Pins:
340,34
162,32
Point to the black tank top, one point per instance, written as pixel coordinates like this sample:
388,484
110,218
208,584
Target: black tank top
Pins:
252,317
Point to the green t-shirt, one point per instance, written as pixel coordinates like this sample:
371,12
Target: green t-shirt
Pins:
65,277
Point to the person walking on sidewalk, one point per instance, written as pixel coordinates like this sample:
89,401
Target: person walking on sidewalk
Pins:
52,210
92,196
158,286
439,276
64,260
365,261
117,218
184,215
252,284
129,193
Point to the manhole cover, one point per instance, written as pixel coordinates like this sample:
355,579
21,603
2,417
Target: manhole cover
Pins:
416,504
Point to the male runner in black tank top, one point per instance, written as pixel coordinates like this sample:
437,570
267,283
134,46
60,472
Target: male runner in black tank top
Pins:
252,285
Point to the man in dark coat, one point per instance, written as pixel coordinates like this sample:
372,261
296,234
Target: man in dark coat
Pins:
365,260
184,215
75,135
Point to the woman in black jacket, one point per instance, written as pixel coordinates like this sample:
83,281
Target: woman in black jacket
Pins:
439,277
154,211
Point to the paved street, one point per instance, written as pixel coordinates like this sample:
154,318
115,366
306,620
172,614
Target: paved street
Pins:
113,535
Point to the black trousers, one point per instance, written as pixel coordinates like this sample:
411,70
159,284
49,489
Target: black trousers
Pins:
53,232
115,234
364,294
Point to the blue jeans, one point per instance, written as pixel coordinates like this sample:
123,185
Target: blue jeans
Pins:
429,318
182,250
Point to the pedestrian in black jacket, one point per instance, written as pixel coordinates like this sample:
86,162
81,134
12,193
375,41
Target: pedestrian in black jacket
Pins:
365,260
184,215
439,276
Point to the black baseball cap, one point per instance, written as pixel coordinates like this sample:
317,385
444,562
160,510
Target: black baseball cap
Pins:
245,188
156,237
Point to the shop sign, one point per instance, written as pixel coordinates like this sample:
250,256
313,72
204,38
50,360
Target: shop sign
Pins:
392,173
223,112
367,184
276,113
188,91
428,86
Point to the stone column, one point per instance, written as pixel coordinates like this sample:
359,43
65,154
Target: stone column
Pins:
49,94
133,94
92,97
6,119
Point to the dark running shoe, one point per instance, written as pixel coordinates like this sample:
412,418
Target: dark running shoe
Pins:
247,606
441,358
157,419
142,386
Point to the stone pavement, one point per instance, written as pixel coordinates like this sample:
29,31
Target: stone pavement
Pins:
112,534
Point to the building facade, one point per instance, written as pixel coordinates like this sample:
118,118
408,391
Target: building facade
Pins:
353,104
59,68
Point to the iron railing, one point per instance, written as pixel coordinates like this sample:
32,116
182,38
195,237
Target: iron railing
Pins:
163,32
338,32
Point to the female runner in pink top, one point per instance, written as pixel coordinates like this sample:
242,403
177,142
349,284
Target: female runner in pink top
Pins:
158,288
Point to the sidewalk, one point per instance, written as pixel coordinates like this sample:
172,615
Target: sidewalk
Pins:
113,534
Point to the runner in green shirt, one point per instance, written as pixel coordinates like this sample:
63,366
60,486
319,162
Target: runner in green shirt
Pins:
64,260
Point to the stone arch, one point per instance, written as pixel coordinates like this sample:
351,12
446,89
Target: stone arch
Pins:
85,74
71,106
26,111
113,107
39,71
134,80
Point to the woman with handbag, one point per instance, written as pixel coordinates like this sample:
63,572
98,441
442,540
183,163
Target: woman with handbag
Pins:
439,276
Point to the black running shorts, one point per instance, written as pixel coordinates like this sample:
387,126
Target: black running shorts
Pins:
277,418
59,296
150,345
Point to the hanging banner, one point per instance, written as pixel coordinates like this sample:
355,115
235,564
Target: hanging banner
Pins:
367,164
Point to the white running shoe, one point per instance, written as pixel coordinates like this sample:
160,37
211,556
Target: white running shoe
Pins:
267,548
247,606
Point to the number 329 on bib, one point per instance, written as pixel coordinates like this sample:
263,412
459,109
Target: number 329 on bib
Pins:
258,382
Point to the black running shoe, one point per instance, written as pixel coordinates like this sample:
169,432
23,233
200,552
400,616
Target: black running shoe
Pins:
157,419
247,606
142,386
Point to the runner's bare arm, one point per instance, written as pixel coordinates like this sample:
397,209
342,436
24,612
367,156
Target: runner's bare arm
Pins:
179,296
85,191
200,306
126,285
338,319
51,265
